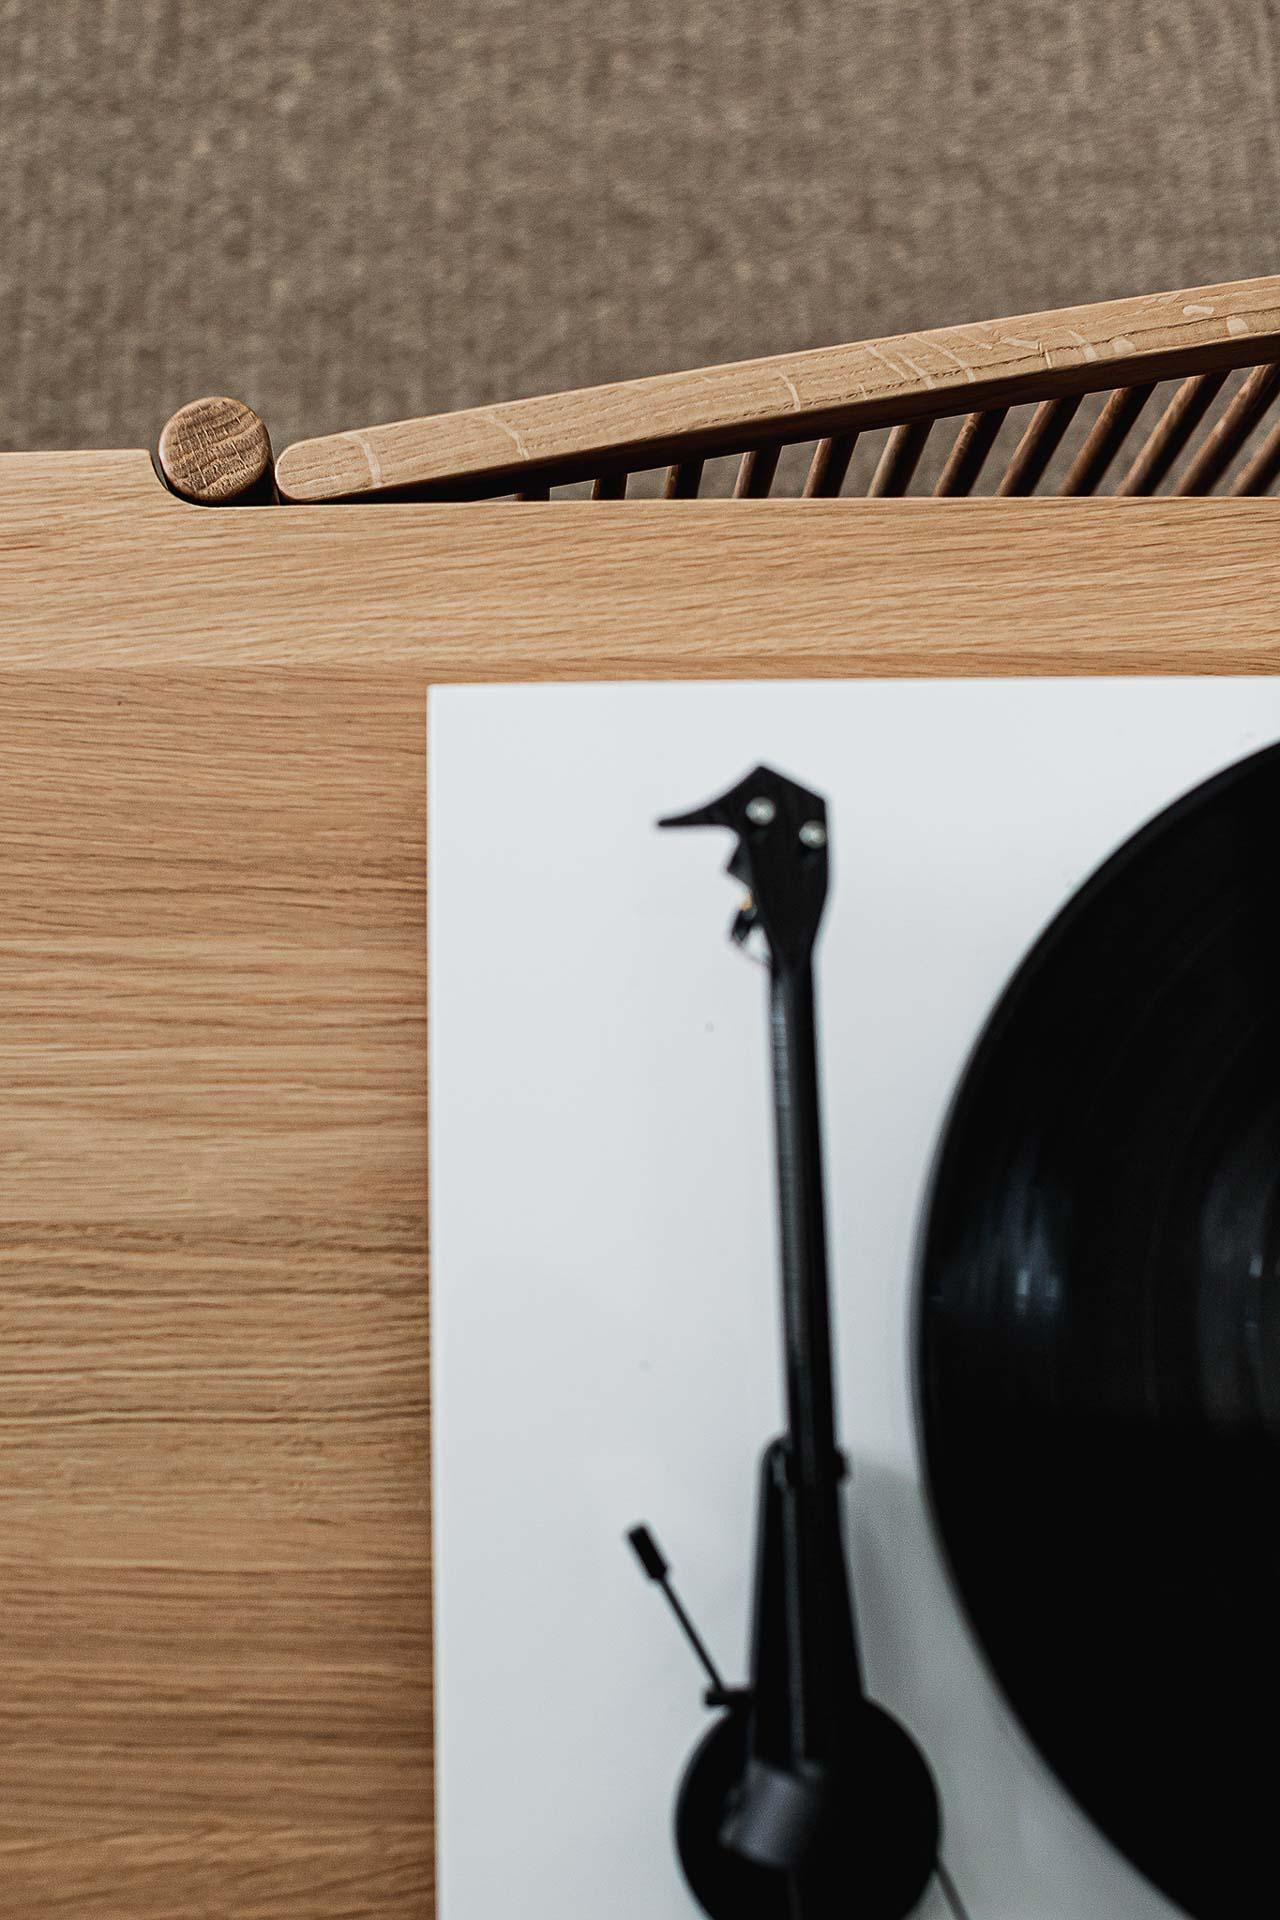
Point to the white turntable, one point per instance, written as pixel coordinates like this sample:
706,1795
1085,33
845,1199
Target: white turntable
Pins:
603,1265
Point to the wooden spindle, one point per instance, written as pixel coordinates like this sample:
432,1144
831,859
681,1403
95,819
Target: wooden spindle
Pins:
1105,438
1259,473
683,480
609,486
1221,446
1038,444
969,452
217,453
755,475
1171,433
900,459
829,466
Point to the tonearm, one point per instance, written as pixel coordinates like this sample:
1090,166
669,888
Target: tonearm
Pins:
804,1800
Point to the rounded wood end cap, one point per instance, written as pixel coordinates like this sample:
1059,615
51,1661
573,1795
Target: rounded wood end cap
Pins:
214,451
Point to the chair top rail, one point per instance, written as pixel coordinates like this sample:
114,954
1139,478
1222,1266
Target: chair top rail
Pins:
632,424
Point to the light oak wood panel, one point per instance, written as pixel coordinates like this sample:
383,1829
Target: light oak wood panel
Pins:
100,566
214,1556
796,396
214,1563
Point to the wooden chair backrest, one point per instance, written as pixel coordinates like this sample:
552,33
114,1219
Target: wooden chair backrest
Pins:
1221,344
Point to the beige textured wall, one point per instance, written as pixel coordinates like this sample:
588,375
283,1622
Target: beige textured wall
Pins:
350,210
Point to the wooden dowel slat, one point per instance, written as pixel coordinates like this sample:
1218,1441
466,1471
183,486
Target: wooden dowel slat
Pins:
899,460
609,486
1105,439
755,475
1220,447
829,466
683,480
969,453
1171,433
216,452
1259,473
1038,444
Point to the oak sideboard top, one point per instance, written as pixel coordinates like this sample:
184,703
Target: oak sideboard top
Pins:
215,1542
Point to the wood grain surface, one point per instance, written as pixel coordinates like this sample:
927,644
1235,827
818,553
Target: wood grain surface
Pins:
797,396
215,451
101,567
214,1595
214,1555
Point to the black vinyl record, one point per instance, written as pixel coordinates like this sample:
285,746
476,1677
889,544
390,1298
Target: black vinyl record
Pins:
1100,1345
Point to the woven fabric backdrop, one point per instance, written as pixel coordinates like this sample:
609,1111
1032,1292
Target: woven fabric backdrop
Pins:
351,210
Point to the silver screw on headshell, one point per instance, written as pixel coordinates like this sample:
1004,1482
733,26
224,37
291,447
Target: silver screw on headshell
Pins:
813,834
761,811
